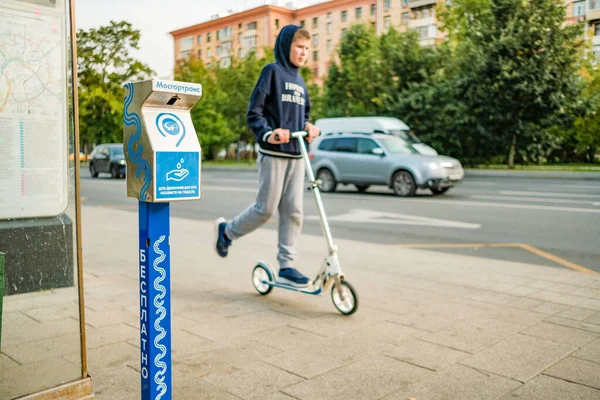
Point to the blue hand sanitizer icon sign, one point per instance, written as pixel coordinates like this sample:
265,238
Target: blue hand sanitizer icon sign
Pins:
169,124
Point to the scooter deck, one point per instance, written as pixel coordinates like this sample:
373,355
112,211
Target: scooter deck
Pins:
309,289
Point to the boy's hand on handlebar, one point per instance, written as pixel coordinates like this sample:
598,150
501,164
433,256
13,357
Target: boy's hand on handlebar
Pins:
313,132
279,136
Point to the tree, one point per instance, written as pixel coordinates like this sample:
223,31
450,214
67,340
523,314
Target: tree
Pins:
356,86
104,64
518,63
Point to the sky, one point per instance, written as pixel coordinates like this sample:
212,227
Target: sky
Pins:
155,19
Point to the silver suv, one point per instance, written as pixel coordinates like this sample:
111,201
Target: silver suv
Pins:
377,159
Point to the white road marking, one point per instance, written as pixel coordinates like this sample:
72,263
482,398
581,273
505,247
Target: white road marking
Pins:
467,182
376,217
585,187
505,205
534,199
550,194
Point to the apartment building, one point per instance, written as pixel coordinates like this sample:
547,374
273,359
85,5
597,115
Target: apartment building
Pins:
587,13
218,39
238,33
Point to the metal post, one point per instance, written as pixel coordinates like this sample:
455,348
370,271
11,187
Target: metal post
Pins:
155,300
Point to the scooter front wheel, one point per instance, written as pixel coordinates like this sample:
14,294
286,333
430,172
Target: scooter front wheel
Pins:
261,277
344,298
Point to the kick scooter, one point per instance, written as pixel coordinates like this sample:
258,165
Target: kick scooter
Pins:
343,295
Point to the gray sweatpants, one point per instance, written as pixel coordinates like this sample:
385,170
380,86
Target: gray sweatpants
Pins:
281,188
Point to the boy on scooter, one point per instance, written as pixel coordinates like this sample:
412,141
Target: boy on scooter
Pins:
278,106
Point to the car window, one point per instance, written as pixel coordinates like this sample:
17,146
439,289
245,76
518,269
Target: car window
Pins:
327,144
397,146
406,135
346,145
116,151
366,146
105,151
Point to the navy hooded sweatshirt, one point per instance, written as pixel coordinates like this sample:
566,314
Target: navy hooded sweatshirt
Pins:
279,100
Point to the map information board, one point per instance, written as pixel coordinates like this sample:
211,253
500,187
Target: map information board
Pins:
33,106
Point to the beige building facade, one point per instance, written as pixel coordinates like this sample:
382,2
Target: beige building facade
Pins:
236,34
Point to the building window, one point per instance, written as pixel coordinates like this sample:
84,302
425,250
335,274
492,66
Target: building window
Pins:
596,52
225,62
578,8
302,23
208,37
239,26
250,42
405,18
328,15
315,22
344,16
208,53
199,40
199,54
404,3
373,8
276,24
251,26
387,21
594,4
387,4
186,43
329,45
315,56
224,49
597,29
343,32
239,53
329,28
239,37
224,33
425,13
358,12
315,40
316,72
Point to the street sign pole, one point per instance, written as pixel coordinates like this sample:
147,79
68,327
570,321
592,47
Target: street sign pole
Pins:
155,300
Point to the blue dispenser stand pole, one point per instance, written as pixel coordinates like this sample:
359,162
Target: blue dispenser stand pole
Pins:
155,301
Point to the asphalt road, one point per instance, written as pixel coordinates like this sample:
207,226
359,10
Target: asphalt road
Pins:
553,222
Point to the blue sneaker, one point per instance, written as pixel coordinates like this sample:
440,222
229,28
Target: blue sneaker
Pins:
292,276
221,242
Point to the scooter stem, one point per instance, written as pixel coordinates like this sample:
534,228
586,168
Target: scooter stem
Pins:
315,189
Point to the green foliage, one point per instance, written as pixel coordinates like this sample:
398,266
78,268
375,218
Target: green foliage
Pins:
104,65
503,86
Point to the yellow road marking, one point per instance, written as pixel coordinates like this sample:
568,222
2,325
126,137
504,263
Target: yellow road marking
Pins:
526,247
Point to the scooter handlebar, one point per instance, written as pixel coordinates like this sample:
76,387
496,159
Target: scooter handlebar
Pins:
295,135
299,134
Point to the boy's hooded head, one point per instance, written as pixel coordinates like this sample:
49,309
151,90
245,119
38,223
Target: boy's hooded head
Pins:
291,47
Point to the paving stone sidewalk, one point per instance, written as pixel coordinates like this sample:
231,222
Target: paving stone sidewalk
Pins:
430,325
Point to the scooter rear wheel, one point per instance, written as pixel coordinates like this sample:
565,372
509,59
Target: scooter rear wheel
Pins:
349,303
260,278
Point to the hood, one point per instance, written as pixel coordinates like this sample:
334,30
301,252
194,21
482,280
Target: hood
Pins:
283,46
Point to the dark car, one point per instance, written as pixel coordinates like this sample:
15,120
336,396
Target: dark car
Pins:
108,158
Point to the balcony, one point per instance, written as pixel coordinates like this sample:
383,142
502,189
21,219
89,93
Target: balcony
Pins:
420,3
416,23
593,14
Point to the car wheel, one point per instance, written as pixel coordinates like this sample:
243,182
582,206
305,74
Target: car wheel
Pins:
362,188
328,183
114,172
93,171
404,184
439,191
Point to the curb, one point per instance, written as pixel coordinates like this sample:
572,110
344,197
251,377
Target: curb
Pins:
584,175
